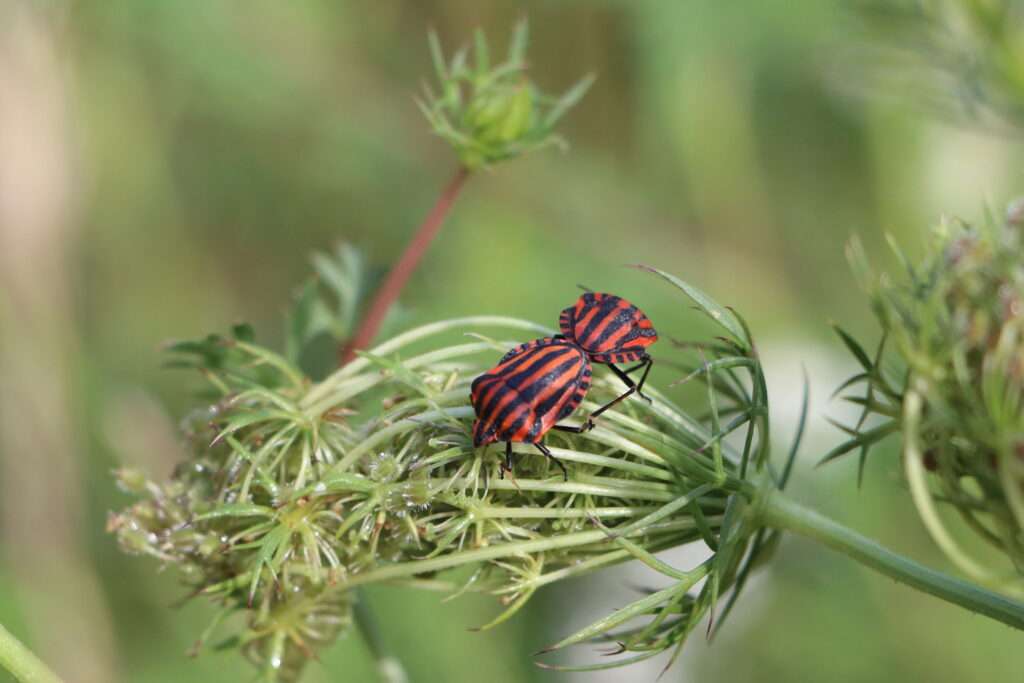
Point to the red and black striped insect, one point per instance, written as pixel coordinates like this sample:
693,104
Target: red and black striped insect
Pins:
611,330
532,387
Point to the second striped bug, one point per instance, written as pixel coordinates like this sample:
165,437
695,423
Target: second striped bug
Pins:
611,330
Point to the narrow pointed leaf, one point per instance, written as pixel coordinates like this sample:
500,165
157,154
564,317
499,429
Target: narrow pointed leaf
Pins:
855,348
718,313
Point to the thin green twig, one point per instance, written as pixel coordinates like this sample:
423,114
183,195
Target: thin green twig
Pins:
21,662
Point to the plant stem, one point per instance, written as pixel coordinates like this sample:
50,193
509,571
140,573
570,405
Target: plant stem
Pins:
388,665
400,272
400,570
913,466
781,512
19,660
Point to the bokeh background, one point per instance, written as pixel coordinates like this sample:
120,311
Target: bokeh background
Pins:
166,169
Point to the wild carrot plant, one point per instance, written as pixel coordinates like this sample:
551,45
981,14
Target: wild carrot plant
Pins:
298,491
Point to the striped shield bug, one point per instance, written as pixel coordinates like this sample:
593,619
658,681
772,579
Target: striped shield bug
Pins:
611,330
532,387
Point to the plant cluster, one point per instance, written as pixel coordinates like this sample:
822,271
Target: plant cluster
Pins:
296,492
963,57
948,375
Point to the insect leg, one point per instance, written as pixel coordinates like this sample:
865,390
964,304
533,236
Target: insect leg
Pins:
633,388
507,465
544,449
636,367
582,429
638,386
594,415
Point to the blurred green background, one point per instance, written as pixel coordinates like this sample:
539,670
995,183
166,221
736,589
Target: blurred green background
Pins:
166,168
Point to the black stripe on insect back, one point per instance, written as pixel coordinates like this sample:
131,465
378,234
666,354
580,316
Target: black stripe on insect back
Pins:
489,386
583,385
566,320
545,355
566,372
562,378
566,379
626,316
523,348
630,341
499,420
529,393
515,358
507,431
497,397
577,385
608,304
531,361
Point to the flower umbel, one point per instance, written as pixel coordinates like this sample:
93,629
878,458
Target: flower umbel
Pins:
298,492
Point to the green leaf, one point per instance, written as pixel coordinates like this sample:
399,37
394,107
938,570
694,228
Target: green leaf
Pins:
856,349
862,459
517,46
706,367
344,275
506,614
867,438
620,616
344,481
568,100
741,580
731,529
614,664
641,554
300,321
799,434
856,379
718,313
212,350
437,56
236,510
244,332
483,60
269,549
664,511
702,525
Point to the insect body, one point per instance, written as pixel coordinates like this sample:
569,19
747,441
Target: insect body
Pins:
523,397
611,330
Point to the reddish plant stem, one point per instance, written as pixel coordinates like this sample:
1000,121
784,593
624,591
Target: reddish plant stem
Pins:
400,272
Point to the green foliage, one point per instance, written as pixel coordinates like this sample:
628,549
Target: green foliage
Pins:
966,56
342,276
951,379
297,492
490,114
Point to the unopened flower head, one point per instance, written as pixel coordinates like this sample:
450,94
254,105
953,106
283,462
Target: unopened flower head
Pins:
493,113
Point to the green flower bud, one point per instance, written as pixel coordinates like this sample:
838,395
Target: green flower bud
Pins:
489,114
503,117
